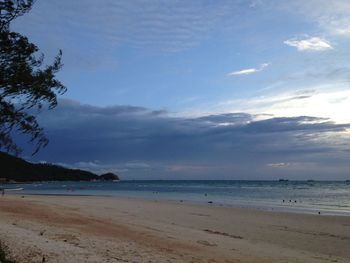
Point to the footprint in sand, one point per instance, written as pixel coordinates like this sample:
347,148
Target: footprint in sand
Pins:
206,243
69,238
222,234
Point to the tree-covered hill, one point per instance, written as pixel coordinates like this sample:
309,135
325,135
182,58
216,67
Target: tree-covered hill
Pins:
19,170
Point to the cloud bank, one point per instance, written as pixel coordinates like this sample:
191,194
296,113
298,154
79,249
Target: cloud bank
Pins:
141,143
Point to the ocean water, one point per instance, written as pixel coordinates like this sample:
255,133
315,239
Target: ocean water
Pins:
297,196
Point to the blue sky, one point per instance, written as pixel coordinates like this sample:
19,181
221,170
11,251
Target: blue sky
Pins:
219,69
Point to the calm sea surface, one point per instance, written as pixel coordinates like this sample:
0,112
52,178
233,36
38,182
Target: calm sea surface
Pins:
307,197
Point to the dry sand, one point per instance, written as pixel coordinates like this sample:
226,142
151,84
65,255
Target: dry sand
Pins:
100,229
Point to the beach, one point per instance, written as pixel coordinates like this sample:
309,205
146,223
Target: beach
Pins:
113,229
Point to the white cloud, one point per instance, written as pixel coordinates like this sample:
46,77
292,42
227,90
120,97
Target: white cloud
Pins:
333,17
323,101
312,43
328,104
332,104
339,26
249,70
278,165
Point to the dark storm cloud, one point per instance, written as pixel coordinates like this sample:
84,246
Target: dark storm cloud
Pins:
127,138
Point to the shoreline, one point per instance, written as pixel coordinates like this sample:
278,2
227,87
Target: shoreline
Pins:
100,229
248,205
326,198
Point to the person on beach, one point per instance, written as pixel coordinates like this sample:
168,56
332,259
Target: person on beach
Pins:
2,191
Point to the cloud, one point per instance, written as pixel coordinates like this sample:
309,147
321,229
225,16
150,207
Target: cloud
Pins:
329,101
166,26
140,143
255,3
249,70
340,26
187,168
137,165
333,20
312,43
278,165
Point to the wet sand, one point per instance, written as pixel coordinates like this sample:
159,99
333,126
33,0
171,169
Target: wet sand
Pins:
101,229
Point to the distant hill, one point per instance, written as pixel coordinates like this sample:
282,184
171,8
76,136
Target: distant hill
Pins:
19,170
108,177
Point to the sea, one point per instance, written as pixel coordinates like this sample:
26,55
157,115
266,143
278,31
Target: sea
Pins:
314,197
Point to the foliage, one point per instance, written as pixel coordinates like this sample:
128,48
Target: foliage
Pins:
25,83
19,170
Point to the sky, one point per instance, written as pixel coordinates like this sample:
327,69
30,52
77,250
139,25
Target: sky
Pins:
200,89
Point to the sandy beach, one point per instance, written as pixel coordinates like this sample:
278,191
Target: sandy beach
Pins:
102,229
